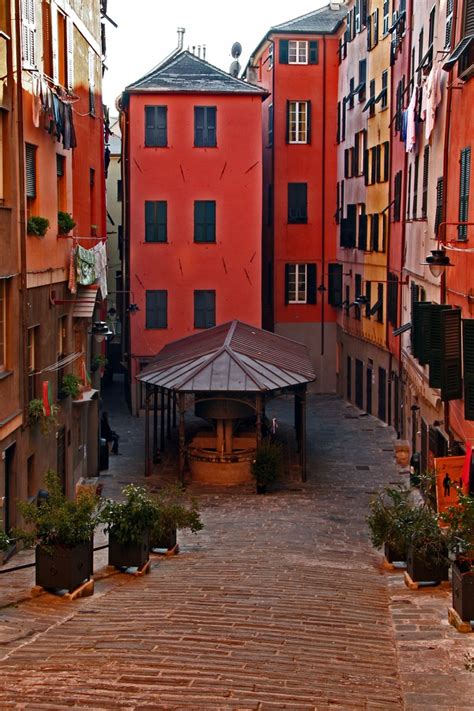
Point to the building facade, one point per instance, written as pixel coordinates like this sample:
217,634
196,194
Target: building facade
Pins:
192,172
296,62
52,163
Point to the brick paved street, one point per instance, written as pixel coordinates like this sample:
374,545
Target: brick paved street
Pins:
279,603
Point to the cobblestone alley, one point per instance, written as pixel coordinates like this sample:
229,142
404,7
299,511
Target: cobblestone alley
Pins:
280,603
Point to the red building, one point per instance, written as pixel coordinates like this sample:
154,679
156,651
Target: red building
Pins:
193,204
297,63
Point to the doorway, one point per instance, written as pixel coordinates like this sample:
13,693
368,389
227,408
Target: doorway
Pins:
9,518
359,384
382,409
61,457
368,388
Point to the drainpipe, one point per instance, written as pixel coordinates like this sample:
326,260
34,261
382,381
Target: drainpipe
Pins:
21,203
272,231
323,200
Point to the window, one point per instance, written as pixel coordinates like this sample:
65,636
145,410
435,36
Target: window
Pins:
156,309
61,182
392,299
297,52
338,134
91,81
374,232
3,324
362,230
119,191
464,181
368,294
384,93
156,221
372,97
204,309
270,56
204,221
69,53
424,198
468,24
270,125
205,134
29,33
468,367
420,54
335,285
30,172
362,79
300,283
386,16
156,126
415,188
297,203
343,121
397,196
357,293
449,23
351,93
378,307
61,348
298,121
386,161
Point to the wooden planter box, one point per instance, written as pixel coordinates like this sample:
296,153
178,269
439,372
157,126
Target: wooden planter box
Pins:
463,591
167,540
63,568
422,571
393,555
129,555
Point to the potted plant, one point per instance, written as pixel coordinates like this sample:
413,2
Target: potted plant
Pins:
428,547
100,361
4,539
174,511
128,524
390,514
37,415
267,465
460,519
62,530
66,223
37,226
71,385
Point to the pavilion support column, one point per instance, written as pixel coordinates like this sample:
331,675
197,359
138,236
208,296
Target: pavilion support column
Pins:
147,432
156,455
302,448
162,420
168,415
182,436
298,420
228,436
258,411
174,410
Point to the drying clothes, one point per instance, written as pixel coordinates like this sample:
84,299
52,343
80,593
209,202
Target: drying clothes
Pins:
100,254
411,123
85,266
36,103
72,283
68,132
106,161
433,99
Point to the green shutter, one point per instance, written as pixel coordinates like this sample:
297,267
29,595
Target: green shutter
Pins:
283,51
435,345
468,358
451,380
335,285
363,232
313,52
422,338
311,283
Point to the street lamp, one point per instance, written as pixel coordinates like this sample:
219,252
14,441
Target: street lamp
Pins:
437,261
100,331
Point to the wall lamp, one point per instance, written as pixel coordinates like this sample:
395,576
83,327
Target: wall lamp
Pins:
100,331
437,261
132,309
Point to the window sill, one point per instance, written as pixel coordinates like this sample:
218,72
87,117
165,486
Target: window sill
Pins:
199,147
5,374
146,145
194,242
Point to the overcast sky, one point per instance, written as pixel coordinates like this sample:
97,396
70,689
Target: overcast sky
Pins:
147,32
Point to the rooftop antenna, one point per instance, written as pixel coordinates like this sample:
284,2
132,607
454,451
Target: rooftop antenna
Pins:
235,51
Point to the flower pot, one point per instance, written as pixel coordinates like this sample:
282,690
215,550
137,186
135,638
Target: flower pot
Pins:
394,554
463,591
62,567
128,555
422,570
168,540
261,488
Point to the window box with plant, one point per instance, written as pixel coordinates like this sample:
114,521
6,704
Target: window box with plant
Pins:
37,415
71,386
175,511
62,531
128,524
66,223
267,465
37,226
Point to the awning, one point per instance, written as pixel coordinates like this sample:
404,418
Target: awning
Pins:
458,51
402,329
85,302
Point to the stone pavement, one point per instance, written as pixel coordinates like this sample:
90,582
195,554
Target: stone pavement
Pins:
279,603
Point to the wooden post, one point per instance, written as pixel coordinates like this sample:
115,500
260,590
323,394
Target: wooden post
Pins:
297,420
162,420
182,437
174,410
156,456
303,435
258,410
168,415
147,431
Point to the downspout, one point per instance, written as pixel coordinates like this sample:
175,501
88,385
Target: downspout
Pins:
323,193
272,231
447,139
21,205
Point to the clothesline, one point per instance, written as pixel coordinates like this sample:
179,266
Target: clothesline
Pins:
61,363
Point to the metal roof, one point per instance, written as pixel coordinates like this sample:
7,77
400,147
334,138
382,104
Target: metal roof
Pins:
85,302
185,72
325,20
232,357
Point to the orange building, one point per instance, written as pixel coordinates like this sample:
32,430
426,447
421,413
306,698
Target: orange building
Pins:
193,203
297,63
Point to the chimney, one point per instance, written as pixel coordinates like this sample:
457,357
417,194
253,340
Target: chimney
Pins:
204,51
181,32
199,51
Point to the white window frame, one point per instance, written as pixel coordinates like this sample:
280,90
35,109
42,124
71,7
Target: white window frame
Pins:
357,16
69,54
3,325
270,124
29,44
297,52
296,271
298,122
270,56
386,17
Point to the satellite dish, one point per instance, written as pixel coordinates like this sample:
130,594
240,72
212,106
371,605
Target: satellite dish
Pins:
236,50
234,68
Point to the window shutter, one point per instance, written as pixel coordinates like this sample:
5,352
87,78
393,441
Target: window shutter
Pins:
54,41
313,52
30,170
335,284
311,283
351,225
211,125
422,334
29,33
435,345
355,156
199,217
366,166
374,232
287,136
439,204
426,164
468,18
368,293
161,123
156,309
451,380
465,178
210,308
468,353
308,122
283,51
91,81
70,53
363,232
162,220
210,208
378,174
386,160
287,283
398,197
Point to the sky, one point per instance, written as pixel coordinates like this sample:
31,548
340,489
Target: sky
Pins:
147,32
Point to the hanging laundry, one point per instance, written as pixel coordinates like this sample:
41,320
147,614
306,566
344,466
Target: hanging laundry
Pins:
36,103
100,252
411,123
433,99
72,283
85,266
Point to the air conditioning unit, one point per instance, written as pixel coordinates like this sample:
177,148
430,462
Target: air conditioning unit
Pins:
467,73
